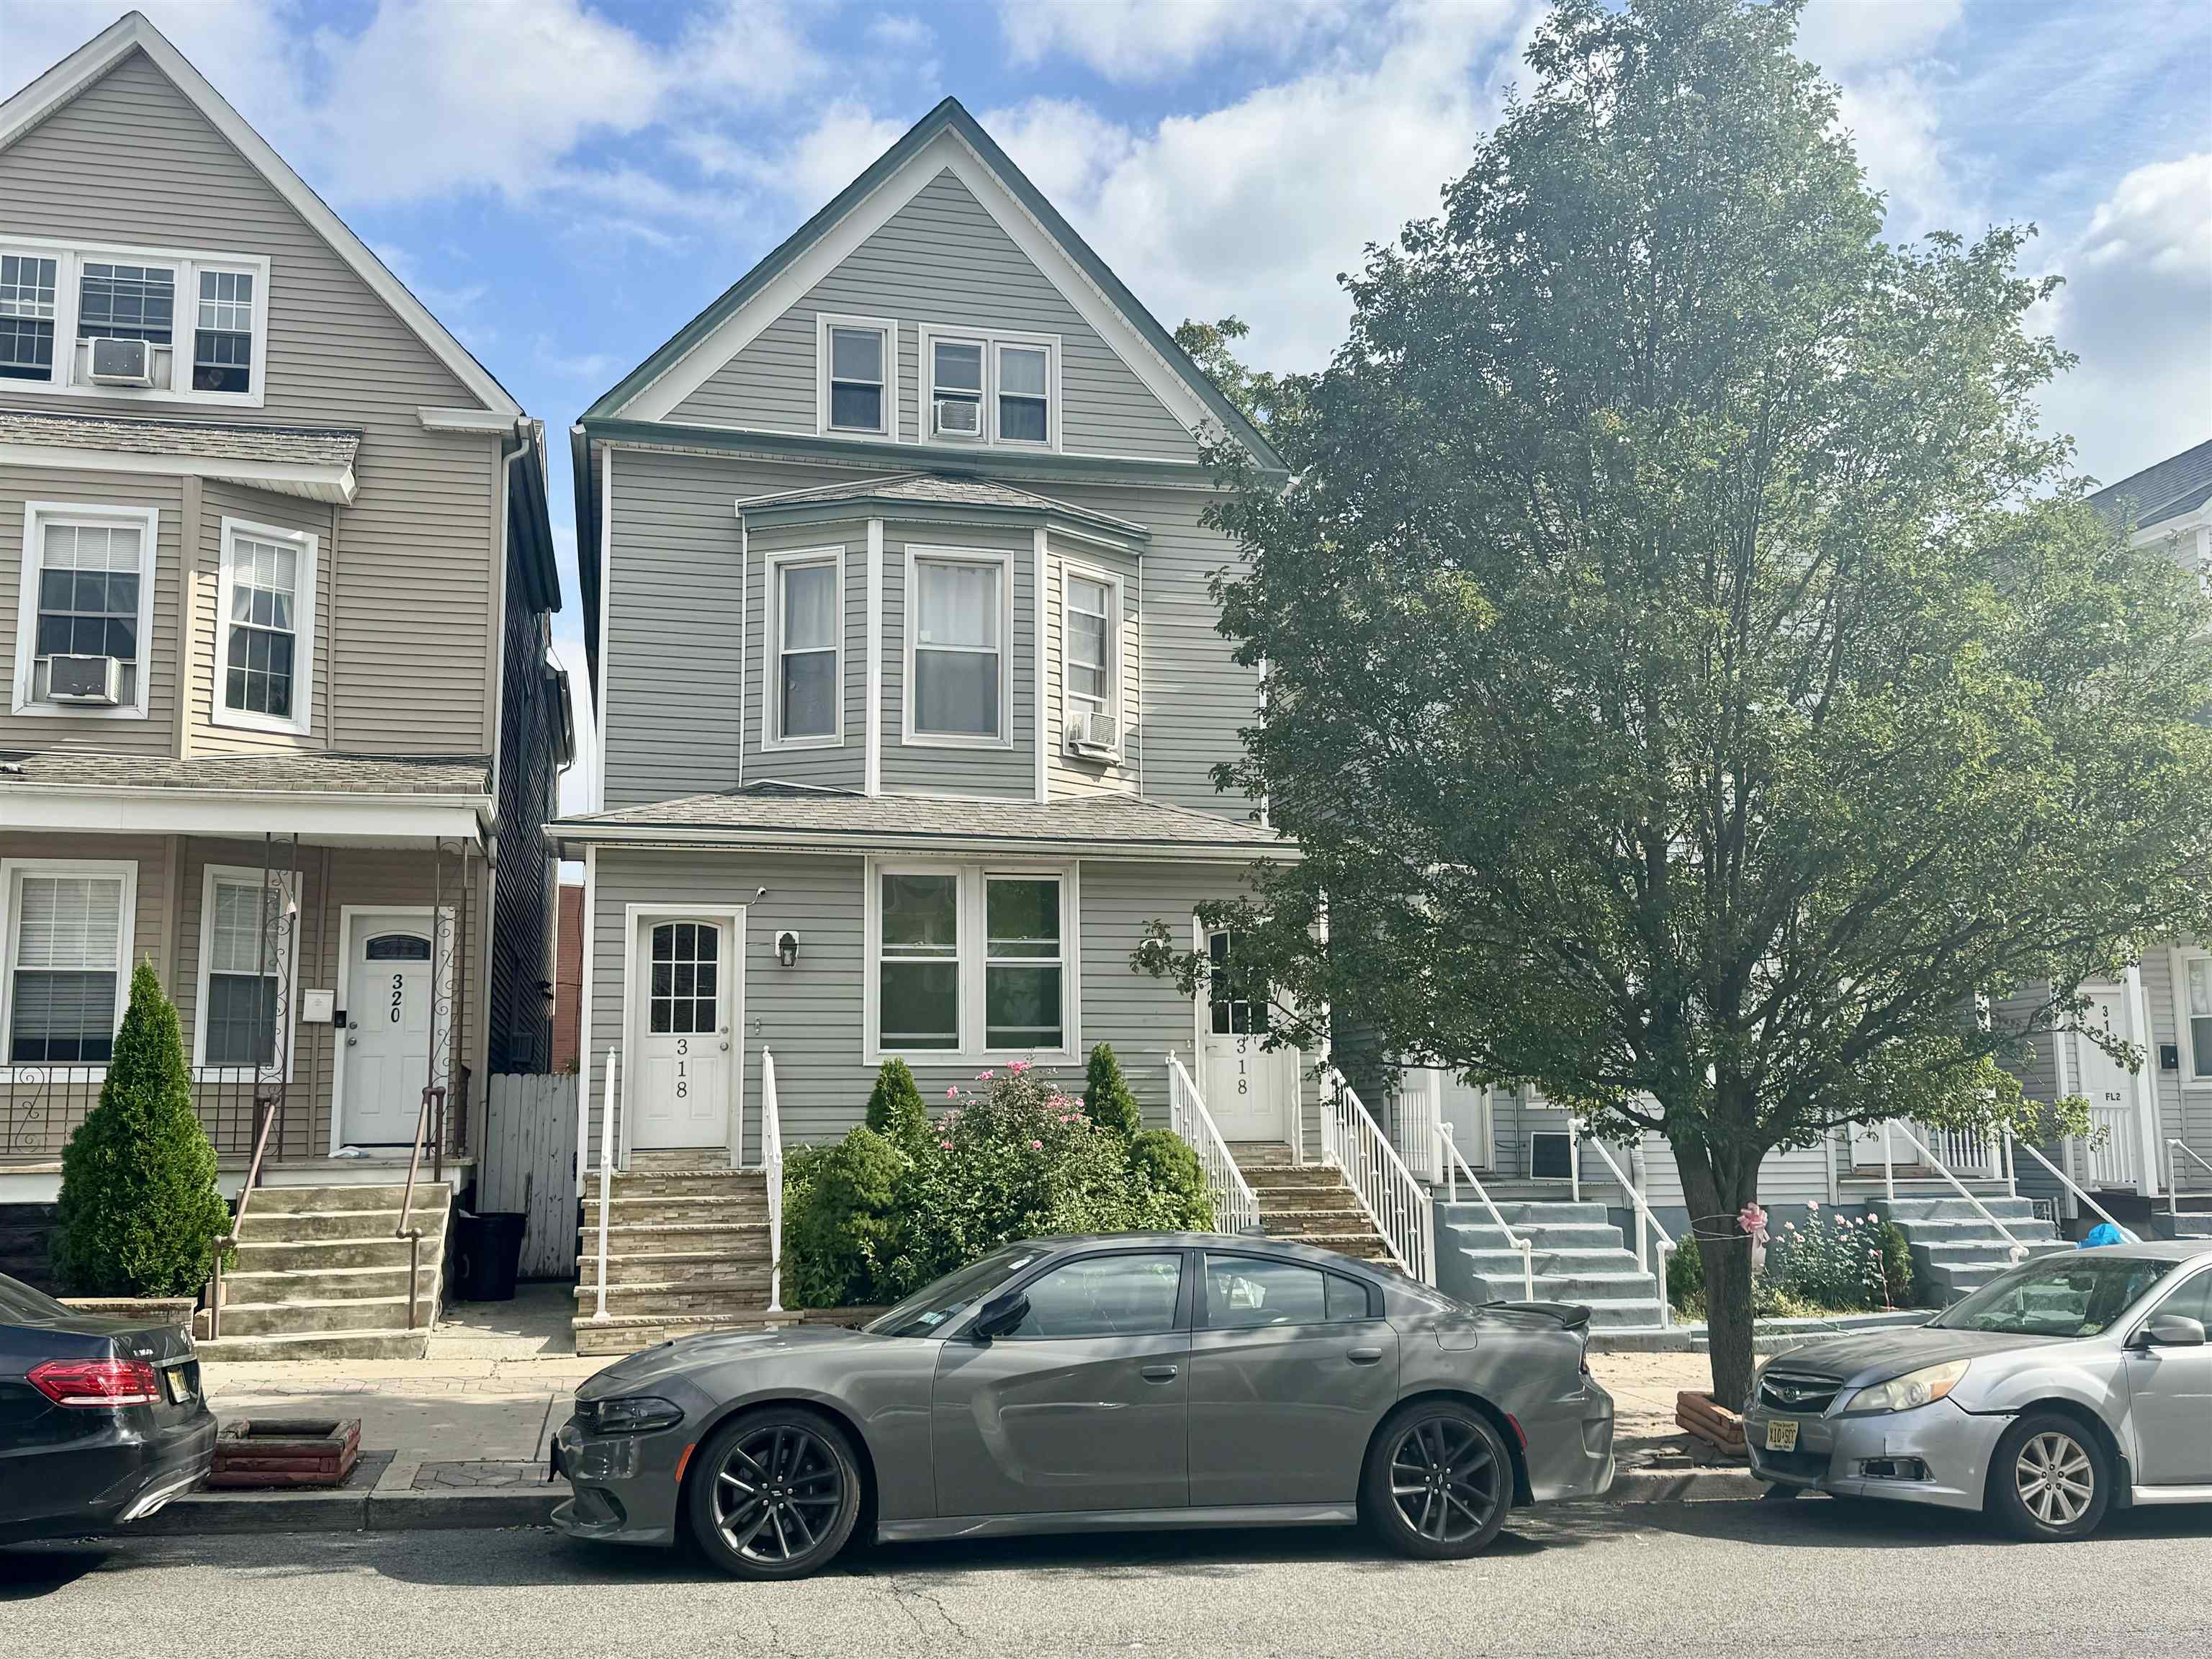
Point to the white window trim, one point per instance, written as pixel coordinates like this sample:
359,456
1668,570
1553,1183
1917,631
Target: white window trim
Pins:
991,340
187,263
2179,956
918,554
973,947
888,327
287,1003
772,566
37,516
1071,571
302,719
10,870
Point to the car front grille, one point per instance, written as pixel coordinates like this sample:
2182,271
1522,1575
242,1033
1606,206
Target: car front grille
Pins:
1796,1392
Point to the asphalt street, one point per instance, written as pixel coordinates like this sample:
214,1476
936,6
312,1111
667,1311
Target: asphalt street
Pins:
1806,1577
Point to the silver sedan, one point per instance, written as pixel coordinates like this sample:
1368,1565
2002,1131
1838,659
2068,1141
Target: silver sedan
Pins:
2072,1385
1078,1384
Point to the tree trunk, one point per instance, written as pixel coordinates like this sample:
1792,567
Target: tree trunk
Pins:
1720,1187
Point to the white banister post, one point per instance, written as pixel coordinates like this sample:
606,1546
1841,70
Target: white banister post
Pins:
1575,1159
606,1177
1888,1169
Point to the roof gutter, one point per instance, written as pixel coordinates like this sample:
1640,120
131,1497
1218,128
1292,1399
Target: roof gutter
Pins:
849,843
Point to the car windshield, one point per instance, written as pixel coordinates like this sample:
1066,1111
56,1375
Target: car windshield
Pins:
927,1311
19,1301
2061,1296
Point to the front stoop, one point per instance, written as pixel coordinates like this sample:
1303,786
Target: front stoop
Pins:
1311,1203
687,1251
1955,1250
320,1275
1578,1256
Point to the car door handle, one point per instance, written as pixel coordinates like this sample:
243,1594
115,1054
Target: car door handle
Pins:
1159,1373
1364,1356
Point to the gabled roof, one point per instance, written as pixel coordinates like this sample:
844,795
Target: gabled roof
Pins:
2179,483
948,118
133,32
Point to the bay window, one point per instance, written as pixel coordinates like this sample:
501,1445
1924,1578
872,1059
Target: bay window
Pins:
957,621
805,659
67,945
970,961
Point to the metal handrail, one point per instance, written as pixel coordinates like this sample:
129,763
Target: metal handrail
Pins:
1400,1207
1644,1211
1454,1163
772,1170
433,1095
1235,1208
2020,1251
2172,1184
226,1242
2066,1180
606,1179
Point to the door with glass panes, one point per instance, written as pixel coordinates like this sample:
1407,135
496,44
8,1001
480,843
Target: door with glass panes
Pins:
685,1033
1251,1090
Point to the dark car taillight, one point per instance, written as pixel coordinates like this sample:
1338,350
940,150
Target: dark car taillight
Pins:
97,1382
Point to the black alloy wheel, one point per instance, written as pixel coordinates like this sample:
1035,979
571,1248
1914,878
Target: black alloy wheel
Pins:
1439,1482
775,1494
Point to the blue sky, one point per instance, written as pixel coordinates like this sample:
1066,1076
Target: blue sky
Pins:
566,182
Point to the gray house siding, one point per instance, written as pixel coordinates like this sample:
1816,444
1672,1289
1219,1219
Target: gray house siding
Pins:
941,261
130,162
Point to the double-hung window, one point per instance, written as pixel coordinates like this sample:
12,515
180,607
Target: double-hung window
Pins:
202,318
956,626
956,388
87,609
805,700
972,961
118,301
267,600
222,338
2197,994
1090,632
68,946
246,957
860,384
991,388
27,285
1024,394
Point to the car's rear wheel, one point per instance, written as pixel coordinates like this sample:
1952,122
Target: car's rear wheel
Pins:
775,1493
1438,1481
2050,1479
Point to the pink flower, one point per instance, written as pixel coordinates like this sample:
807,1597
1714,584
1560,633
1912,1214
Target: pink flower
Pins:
953,1093
1015,1069
946,1144
1036,1145
1871,1217
1813,1204
983,1077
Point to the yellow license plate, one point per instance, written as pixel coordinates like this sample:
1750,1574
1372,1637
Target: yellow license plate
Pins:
1782,1435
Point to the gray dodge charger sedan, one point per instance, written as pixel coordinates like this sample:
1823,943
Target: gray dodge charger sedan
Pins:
2072,1384
1077,1383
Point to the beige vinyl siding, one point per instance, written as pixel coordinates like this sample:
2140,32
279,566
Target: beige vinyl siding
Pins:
841,767
130,161
210,632
1068,773
157,655
941,261
935,768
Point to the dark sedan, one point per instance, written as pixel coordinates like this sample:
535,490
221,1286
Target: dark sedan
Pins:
102,1420
1092,1384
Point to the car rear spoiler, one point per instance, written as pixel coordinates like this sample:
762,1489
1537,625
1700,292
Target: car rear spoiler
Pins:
1571,1315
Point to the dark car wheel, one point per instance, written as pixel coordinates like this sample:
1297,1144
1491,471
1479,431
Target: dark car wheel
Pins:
1438,1482
2050,1479
775,1493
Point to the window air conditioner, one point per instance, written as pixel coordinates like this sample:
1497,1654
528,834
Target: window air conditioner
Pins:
122,362
958,417
84,679
1091,733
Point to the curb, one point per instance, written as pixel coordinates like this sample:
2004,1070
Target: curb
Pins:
353,1511
1729,1485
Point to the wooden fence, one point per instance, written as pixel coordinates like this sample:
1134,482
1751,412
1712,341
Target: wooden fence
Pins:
529,1163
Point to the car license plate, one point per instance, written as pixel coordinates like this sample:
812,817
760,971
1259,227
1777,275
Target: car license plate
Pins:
182,1389
1782,1434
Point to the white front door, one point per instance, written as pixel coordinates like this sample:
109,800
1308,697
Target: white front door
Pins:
1251,1092
2109,1157
1466,1108
391,1024
679,1094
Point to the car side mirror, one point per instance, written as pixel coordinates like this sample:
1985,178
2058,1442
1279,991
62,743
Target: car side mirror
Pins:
1002,1313
2173,1331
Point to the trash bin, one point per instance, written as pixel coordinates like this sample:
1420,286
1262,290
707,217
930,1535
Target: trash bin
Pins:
487,1254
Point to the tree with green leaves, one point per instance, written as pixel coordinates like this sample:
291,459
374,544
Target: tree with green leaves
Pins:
1107,1096
1695,683
896,1109
139,1211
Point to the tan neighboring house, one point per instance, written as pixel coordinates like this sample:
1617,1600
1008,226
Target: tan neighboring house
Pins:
274,580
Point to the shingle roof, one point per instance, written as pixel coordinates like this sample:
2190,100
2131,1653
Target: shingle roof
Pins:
224,440
791,814
2180,484
299,774
939,489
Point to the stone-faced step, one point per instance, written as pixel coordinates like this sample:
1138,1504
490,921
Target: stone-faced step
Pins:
307,1200
729,1239
674,1299
697,1183
300,1317
705,1267
1365,1247
622,1335
665,1212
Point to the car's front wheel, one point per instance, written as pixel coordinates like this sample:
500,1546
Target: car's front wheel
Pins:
2050,1479
1438,1481
775,1493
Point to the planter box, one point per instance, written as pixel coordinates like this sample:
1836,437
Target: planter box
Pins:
1716,1425
148,1310
279,1451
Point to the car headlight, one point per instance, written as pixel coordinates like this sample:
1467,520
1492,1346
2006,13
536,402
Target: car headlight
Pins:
1915,1388
634,1414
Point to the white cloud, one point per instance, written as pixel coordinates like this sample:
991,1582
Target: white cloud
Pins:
1844,35
1139,41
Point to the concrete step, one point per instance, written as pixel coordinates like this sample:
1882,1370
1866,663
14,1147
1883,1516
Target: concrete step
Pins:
1606,1314
327,1283
1551,1215
1977,1252
678,1266
1563,1263
298,1316
1593,1288
2191,1226
322,1254
1977,1231
627,1333
1952,1208
308,1200
395,1344
1551,1237
260,1226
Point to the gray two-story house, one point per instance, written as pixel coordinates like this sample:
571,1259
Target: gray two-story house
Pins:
897,605
274,580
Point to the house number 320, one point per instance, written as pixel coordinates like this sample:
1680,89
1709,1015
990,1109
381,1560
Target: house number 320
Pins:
398,995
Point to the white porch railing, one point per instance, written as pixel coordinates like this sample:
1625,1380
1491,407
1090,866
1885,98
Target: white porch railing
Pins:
1454,1167
606,1182
2174,1193
2108,1154
1644,1218
1417,1121
1400,1207
771,1134
2018,1251
1235,1209
2071,1186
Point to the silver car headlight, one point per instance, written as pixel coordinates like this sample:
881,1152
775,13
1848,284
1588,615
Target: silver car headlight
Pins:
1913,1390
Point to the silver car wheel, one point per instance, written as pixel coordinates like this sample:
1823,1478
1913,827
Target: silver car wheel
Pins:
1443,1480
2056,1481
777,1494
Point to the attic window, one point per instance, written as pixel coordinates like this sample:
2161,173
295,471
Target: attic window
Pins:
856,380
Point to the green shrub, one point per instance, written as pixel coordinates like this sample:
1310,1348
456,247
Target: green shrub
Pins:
1165,1163
1686,1277
139,1213
1106,1095
844,1227
894,1108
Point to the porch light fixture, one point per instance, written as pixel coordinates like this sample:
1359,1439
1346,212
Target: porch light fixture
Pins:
786,947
